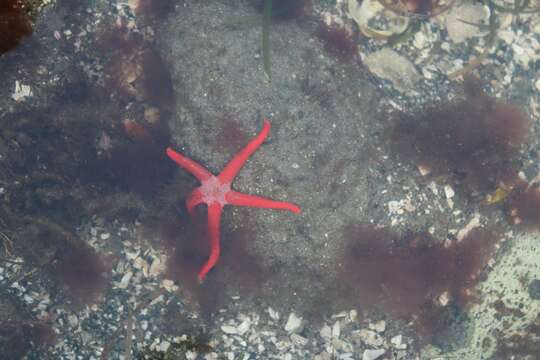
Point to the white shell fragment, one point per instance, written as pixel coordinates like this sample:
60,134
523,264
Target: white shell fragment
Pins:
368,337
142,265
229,329
398,343
424,170
157,267
125,280
240,329
168,285
472,224
294,324
274,315
374,20
462,19
326,332
353,315
336,329
298,340
449,192
378,326
21,92
388,64
373,354
243,327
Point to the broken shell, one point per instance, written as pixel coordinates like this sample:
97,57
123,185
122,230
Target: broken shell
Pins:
294,324
368,337
466,21
375,21
299,340
424,170
326,332
228,329
372,354
274,315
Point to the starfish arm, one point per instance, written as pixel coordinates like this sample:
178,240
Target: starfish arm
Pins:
240,199
234,166
194,199
214,220
189,165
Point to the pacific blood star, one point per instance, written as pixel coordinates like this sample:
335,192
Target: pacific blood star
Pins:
216,192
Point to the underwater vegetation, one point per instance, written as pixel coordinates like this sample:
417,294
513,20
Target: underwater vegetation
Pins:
17,336
414,276
88,151
137,162
188,241
76,267
134,156
15,23
474,141
477,143
419,7
155,9
276,10
230,136
82,271
338,41
284,10
135,71
185,238
523,205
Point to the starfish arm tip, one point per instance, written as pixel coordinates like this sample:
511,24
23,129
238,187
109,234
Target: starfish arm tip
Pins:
170,151
238,161
241,199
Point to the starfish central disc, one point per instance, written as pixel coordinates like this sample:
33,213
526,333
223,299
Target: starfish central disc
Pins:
213,190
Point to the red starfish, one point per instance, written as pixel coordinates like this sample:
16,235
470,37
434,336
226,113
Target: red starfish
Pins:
216,192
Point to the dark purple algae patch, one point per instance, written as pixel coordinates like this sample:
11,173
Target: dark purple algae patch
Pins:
82,271
186,239
338,41
231,136
285,9
413,275
523,206
474,141
138,162
156,9
14,24
18,337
